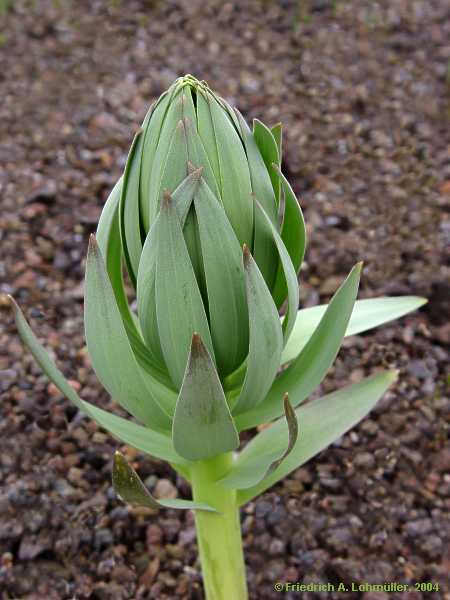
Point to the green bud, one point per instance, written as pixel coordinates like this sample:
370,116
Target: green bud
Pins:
187,129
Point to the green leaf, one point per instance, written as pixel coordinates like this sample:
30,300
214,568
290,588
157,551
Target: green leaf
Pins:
264,249
323,421
146,292
192,240
266,339
196,151
236,189
289,274
309,368
261,182
270,458
185,192
366,315
191,235
277,133
208,136
292,427
176,164
269,151
129,208
130,488
110,351
172,119
293,234
152,132
106,225
202,425
108,238
225,283
179,305
146,440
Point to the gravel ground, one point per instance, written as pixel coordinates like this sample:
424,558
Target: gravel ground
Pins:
363,90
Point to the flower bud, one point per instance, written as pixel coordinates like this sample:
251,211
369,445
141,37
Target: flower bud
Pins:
192,137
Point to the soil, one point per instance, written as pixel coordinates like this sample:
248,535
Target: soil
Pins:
362,88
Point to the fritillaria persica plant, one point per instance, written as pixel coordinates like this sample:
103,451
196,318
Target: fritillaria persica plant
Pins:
212,238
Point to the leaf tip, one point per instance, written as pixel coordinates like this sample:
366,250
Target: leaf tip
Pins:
93,245
289,412
12,303
421,301
196,172
394,373
246,255
197,346
167,199
119,460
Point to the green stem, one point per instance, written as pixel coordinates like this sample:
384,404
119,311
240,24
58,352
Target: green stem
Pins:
218,535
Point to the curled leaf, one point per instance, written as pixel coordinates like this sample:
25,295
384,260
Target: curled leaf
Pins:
270,457
292,425
130,488
323,421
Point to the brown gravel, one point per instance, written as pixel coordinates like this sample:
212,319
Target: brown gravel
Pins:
363,90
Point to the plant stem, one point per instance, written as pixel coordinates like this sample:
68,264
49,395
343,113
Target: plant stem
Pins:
218,535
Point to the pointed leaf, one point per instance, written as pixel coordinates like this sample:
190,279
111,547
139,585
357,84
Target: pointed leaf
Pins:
269,150
208,136
323,422
225,283
236,189
289,274
185,192
309,368
176,163
293,234
179,305
105,225
110,351
202,425
130,488
192,238
152,132
151,442
130,229
266,339
277,133
146,291
108,238
366,315
172,119
260,178
196,151
264,250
